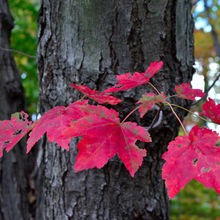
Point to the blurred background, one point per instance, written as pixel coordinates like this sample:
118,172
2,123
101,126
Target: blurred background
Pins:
24,39
194,202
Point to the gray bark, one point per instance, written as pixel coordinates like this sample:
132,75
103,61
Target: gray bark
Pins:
89,42
13,183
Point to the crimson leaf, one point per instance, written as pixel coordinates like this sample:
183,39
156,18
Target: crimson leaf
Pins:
128,81
186,92
12,131
148,100
54,122
193,156
95,95
211,110
103,137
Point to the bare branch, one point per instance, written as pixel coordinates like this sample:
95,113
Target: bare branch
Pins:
216,79
207,90
19,52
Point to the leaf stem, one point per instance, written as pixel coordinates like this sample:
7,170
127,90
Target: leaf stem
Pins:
178,106
177,118
171,96
154,87
130,114
82,98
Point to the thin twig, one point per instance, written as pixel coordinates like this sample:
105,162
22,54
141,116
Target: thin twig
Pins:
154,87
19,52
82,98
178,106
207,90
171,96
216,79
177,118
130,113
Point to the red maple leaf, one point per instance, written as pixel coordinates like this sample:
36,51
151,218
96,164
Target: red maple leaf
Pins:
103,137
211,110
148,100
186,92
128,81
153,68
193,156
54,122
12,131
97,96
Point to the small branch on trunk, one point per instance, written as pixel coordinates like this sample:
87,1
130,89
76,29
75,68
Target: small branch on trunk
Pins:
19,52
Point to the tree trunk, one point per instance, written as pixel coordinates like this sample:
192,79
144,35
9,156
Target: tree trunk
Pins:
13,183
88,42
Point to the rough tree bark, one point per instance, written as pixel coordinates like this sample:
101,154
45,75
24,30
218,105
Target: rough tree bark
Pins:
13,183
89,42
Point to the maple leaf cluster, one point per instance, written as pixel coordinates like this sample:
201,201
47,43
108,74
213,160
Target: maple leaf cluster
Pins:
193,155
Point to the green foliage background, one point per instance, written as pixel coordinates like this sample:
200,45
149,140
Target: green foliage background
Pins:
24,39
194,202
